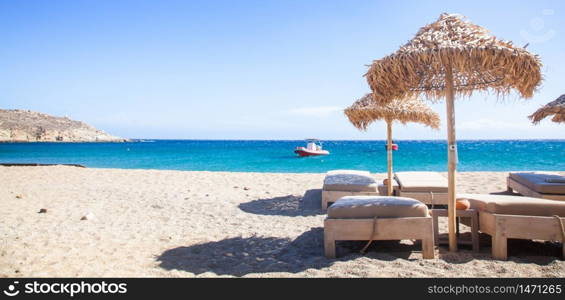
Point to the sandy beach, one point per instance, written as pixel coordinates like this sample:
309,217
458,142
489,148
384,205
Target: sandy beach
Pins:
184,224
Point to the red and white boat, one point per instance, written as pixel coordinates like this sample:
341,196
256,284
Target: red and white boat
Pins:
313,148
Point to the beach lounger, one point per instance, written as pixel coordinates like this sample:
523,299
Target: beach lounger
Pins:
368,218
340,183
545,185
515,217
428,187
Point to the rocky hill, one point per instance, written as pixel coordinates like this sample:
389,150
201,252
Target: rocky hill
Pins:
28,126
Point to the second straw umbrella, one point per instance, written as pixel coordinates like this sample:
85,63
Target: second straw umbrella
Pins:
365,111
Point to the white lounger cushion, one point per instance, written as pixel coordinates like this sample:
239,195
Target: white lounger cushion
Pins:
421,182
357,172
363,207
350,181
541,182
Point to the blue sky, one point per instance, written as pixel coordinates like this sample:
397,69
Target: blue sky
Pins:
250,69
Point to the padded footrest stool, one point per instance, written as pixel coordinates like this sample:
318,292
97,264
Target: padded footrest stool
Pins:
368,218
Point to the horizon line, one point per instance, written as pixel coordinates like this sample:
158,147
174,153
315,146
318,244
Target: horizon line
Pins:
339,140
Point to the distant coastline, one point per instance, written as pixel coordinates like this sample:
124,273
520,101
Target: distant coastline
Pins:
25,126
118,140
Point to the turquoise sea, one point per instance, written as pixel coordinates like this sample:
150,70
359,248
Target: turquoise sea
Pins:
278,156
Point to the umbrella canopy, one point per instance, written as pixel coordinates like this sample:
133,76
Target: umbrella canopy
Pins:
365,111
453,57
556,108
478,61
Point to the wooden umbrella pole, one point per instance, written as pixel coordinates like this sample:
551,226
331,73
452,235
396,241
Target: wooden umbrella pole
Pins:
389,155
452,157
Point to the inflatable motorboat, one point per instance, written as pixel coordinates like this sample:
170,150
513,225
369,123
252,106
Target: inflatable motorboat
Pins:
313,148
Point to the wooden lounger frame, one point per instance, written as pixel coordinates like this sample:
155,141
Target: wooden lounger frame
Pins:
329,197
504,227
513,185
426,197
415,228
423,196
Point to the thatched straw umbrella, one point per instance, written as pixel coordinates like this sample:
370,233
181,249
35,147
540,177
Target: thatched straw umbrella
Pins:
365,111
556,108
453,57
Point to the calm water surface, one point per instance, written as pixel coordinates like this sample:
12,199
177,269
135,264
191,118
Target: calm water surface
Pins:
278,156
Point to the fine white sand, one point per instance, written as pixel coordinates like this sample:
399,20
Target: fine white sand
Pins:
173,223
